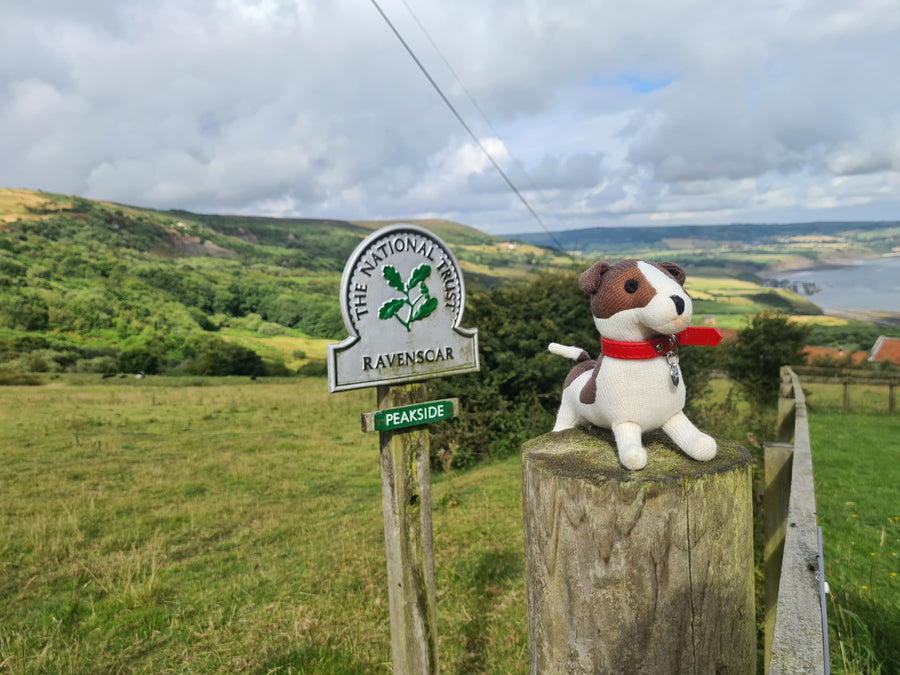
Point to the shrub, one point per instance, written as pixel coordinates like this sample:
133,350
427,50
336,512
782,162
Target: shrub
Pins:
218,357
249,322
11,268
30,343
25,312
202,320
313,369
768,342
276,369
14,379
270,328
516,394
139,359
103,365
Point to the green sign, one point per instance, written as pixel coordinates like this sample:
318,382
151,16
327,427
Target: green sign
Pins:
413,415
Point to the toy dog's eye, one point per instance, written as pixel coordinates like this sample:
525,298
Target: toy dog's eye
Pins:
631,286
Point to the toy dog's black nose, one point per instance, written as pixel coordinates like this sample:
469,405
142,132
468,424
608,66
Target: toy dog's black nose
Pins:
679,304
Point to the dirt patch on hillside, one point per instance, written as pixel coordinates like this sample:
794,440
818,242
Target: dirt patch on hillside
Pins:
190,245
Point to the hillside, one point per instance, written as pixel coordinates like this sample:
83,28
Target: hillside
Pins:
747,248
110,287
608,238
98,287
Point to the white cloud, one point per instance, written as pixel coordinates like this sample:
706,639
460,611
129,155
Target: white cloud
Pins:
684,111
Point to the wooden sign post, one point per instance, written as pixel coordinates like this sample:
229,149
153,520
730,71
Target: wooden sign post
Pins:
402,299
406,501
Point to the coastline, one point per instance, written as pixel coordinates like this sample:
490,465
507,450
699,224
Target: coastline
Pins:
831,263
875,316
785,272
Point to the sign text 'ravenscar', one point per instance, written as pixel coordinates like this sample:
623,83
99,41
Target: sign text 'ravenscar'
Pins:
402,299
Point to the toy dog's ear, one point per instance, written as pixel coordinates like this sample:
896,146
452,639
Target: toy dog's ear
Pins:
590,279
675,271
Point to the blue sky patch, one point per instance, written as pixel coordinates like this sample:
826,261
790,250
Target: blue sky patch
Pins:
637,82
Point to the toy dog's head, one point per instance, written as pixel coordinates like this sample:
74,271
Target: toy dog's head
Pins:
634,300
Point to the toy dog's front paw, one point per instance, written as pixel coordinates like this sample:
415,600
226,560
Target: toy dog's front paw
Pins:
689,438
703,448
633,457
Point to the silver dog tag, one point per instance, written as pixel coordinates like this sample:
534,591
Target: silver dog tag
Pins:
672,360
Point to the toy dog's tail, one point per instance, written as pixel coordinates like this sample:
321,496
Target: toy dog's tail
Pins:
577,354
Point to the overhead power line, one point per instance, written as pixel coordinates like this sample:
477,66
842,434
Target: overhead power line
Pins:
465,126
477,107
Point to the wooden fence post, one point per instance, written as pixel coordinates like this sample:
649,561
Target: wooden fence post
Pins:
892,401
784,424
846,395
778,459
799,635
637,571
406,501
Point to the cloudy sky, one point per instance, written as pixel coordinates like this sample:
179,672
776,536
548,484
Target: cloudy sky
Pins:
601,112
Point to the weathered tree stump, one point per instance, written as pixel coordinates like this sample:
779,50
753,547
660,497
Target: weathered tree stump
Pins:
637,571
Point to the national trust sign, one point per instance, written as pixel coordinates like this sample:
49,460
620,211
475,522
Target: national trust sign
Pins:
402,298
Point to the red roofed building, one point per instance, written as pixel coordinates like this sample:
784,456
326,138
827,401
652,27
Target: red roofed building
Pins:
886,349
818,355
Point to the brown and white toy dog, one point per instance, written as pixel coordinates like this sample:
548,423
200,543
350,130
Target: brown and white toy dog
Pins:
642,312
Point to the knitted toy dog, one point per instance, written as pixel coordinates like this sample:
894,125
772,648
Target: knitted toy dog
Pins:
642,312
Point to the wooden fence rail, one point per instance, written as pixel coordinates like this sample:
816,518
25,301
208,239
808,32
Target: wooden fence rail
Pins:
796,626
848,377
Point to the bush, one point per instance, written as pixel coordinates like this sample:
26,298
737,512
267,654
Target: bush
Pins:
276,369
139,359
313,369
516,394
11,268
249,322
29,343
768,342
24,312
216,357
202,320
103,365
269,329
852,336
16,379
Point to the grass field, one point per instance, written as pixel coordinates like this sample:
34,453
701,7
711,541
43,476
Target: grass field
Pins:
173,526
857,477
176,525
864,398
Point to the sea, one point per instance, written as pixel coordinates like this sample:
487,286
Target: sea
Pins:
865,285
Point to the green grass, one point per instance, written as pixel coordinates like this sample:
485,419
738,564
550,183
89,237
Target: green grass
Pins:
867,398
857,476
192,525
221,525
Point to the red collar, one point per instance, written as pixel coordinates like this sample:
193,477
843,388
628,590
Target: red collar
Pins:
660,346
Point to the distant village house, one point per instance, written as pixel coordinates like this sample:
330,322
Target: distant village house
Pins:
886,349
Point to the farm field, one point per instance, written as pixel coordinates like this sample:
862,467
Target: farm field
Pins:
856,475
221,525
